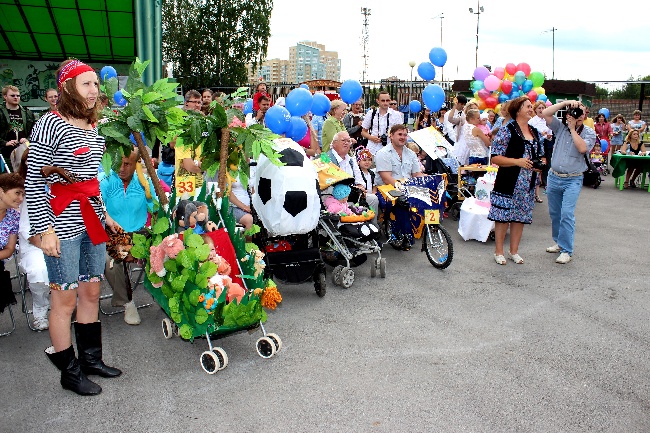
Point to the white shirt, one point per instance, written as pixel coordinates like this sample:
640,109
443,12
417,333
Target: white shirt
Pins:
349,165
379,126
251,120
540,124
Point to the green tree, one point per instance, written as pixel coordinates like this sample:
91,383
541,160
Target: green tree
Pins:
210,42
632,90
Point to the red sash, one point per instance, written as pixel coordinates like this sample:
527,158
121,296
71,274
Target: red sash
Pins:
80,191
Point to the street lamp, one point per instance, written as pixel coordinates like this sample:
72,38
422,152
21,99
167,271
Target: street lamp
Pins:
412,65
479,10
441,16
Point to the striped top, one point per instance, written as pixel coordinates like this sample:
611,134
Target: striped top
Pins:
79,151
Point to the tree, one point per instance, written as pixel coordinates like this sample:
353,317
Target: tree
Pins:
632,90
210,42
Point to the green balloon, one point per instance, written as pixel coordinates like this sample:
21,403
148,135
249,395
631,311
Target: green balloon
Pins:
537,78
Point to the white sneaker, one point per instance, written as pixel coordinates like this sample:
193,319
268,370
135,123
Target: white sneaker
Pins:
131,315
554,249
41,323
563,259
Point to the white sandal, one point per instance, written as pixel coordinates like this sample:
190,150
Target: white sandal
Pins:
516,258
500,259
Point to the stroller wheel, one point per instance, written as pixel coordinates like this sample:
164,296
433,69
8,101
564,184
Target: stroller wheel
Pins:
347,278
265,347
374,265
167,328
336,274
454,211
321,285
382,268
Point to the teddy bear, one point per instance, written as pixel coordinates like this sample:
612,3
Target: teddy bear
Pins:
203,224
185,215
159,254
258,262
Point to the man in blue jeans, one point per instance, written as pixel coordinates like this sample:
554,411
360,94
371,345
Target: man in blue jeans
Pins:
572,141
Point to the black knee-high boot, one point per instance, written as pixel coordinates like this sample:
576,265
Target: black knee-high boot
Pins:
72,377
89,345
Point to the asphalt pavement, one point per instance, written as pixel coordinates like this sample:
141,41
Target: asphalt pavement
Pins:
478,347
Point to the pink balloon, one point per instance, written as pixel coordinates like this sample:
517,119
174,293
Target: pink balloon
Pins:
480,73
491,102
491,83
548,103
499,72
511,68
483,93
506,86
532,95
525,68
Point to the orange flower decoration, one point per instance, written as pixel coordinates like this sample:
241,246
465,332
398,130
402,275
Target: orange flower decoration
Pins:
271,298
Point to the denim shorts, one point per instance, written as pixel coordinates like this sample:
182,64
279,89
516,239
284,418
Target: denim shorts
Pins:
80,261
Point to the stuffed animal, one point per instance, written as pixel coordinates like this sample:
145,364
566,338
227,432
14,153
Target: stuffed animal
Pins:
203,224
159,254
185,215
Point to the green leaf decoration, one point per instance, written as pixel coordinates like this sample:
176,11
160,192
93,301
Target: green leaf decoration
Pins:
201,281
208,269
177,318
194,297
170,266
167,291
150,97
161,226
134,123
185,258
139,239
106,163
178,283
174,305
255,229
201,316
202,252
153,277
185,331
193,240
138,251
147,111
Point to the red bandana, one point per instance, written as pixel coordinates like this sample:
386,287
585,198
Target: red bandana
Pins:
71,70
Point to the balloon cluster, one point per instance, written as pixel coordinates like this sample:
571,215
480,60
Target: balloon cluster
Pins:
288,121
106,73
433,95
491,89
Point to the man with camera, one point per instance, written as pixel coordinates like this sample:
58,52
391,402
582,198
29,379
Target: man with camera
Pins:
572,141
377,123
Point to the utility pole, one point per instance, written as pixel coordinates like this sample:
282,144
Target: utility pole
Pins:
365,35
553,29
479,11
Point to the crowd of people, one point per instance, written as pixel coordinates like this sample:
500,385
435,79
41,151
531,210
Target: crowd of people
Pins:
64,213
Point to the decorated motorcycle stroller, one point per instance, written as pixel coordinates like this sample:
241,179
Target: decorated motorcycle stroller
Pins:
347,236
414,209
286,203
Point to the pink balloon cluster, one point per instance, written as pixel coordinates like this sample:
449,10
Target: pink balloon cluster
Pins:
491,89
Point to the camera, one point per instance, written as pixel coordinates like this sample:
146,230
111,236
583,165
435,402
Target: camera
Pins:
538,164
384,139
575,112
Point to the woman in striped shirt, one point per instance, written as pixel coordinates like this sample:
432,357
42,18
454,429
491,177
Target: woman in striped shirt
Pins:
69,218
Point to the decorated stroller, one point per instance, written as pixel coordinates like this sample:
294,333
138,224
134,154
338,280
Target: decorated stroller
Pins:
287,204
347,238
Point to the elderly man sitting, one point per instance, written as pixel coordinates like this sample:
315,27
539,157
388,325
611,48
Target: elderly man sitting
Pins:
339,154
128,202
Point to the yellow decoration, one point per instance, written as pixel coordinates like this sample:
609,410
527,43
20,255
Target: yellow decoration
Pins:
271,297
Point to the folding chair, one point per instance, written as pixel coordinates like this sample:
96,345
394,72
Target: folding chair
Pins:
139,280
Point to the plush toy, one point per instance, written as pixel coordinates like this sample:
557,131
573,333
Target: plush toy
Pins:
185,215
159,254
203,224
209,300
258,262
234,291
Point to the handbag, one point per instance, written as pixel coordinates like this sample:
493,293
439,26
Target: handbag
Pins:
591,177
6,293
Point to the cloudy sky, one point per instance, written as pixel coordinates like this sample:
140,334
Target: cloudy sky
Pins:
594,41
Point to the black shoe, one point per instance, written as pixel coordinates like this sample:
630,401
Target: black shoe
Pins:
89,345
72,377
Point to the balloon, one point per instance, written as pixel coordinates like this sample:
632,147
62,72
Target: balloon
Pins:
503,98
499,72
478,85
539,90
527,86
483,93
277,119
320,104
511,68
415,106
481,73
603,145
433,96
537,78
491,83
298,102
304,86
497,109
506,87
350,91
107,72
298,128
438,56
119,99
248,106
548,103
542,97
520,77
532,96
604,111
524,67
481,104
491,102
426,71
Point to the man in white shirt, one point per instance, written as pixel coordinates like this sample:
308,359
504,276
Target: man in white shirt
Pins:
257,117
456,117
377,122
396,161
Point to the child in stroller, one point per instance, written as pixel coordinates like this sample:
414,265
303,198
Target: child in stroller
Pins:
598,159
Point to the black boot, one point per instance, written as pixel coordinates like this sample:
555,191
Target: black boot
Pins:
72,377
89,345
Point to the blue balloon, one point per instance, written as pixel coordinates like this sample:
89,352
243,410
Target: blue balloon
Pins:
527,86
298,129
542,97
277,119
438,56
426,71
320,104
119,99
299,101
514,94
603,145
415,106
604,111
304,86
433,96
503,98
520,77
478,85
107,72
350,91
248,106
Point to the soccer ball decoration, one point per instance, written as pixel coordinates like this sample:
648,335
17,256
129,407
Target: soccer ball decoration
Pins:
286,198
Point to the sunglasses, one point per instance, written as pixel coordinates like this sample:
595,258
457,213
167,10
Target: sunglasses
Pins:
393,103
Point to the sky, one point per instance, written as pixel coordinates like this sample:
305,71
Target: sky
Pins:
594,41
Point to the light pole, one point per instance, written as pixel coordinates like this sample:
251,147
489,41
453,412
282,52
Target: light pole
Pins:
479,10
412,65
441,16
